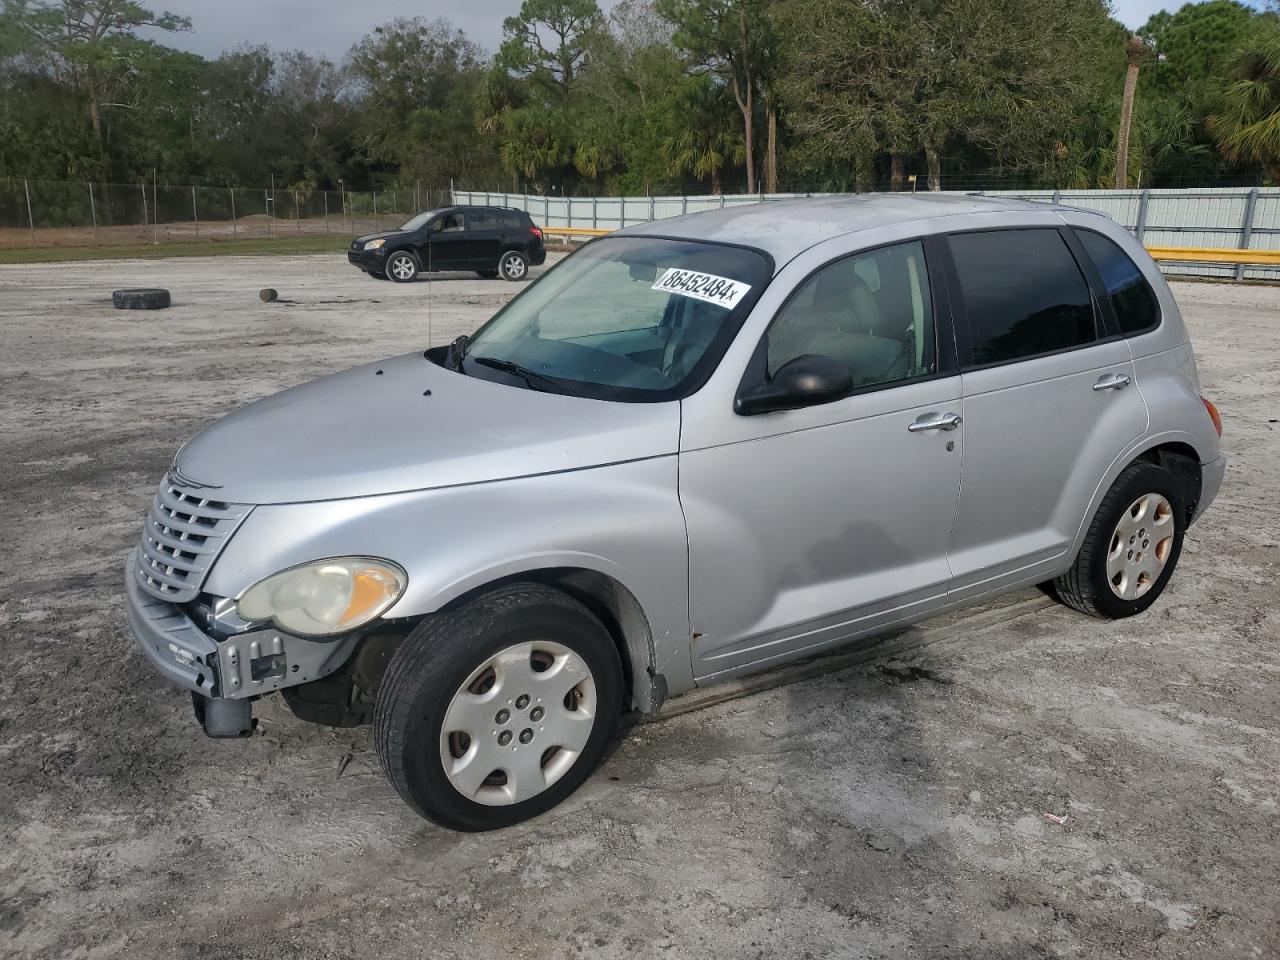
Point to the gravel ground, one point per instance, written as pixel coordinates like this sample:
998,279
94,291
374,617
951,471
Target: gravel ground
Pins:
893,809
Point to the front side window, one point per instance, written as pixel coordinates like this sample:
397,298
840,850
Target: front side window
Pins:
420,221
1024,294
871,311
451,222
624,318
1131,296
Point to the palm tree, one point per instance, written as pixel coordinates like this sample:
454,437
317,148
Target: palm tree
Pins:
706,143
1136,51
1246,123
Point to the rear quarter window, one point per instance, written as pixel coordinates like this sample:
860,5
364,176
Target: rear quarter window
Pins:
1024,294
1132,298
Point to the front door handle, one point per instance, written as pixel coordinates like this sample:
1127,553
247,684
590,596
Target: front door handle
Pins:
935,421
1111,381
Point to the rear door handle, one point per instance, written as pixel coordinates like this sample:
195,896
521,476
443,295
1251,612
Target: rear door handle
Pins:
935,421
1111,381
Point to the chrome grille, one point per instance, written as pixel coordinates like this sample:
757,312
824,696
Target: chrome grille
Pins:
181,537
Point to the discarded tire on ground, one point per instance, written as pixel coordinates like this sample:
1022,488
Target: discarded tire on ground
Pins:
146,298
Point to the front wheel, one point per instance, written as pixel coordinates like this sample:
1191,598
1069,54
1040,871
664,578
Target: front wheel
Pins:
513,265
402,267
496,711
1131,548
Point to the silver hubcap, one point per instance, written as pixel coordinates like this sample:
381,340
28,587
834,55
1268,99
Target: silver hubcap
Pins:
1140,546
402,267
513,267
518,723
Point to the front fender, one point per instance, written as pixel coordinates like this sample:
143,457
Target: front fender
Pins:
623,521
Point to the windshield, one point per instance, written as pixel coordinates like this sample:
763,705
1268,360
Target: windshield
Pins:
624,318
418,222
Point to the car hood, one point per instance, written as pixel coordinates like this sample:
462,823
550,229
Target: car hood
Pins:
407,424
384,235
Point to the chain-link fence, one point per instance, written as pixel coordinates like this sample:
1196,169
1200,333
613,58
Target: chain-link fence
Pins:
42,213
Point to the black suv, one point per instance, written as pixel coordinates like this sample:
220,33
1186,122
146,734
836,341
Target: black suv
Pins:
493,241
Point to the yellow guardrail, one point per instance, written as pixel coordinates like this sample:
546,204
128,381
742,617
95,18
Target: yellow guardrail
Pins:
1179,254
574,231
1216,255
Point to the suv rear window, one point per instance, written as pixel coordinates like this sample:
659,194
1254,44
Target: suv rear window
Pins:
512,220
1024,294
1131,296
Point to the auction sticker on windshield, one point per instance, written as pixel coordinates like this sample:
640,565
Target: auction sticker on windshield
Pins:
703,286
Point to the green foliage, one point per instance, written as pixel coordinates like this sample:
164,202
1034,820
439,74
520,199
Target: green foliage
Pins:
547,41
656,96
1247,121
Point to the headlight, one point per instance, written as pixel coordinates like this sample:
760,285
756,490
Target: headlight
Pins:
374,244
324,597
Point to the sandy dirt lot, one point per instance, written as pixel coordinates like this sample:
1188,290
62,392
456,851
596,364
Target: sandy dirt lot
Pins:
894,809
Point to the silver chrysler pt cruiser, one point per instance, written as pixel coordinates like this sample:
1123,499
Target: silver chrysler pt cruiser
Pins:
691,450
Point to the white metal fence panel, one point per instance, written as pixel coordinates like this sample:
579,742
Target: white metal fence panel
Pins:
1230,218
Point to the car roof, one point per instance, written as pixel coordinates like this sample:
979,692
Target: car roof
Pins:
786,228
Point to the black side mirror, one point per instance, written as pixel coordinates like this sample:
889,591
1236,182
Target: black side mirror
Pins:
803,382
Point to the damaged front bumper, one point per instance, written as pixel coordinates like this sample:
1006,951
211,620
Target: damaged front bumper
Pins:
238,667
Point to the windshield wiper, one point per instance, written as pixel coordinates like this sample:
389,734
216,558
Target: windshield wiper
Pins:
457,353
534,379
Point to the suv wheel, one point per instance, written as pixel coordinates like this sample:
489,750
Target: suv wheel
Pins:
402,267
513,265
1131,548
494,712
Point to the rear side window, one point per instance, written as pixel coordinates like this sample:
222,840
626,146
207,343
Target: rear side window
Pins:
1131,296
514,221
1024,294
478,220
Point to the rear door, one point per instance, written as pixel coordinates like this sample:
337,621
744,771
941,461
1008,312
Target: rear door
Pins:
483,233
1049,402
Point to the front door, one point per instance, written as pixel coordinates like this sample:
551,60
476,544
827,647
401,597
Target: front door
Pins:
446,247
834,520
1049,404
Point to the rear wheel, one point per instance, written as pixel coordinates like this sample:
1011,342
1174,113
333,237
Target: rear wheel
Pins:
496,711
1131,548
513,265
402,267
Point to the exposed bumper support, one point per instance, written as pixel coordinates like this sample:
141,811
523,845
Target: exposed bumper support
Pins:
239,667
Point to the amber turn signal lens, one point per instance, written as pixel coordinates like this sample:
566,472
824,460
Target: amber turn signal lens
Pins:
1214,415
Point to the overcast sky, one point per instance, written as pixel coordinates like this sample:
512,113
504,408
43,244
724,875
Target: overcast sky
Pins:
332,26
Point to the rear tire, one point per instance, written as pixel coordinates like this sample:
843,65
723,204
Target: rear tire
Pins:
1131,548
402,267
513,265
472,756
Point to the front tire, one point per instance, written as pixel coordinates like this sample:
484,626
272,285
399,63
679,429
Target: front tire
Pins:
1131,548
496,711
513,265
402,267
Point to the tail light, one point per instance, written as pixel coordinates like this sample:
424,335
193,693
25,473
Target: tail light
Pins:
1214,415
536,231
